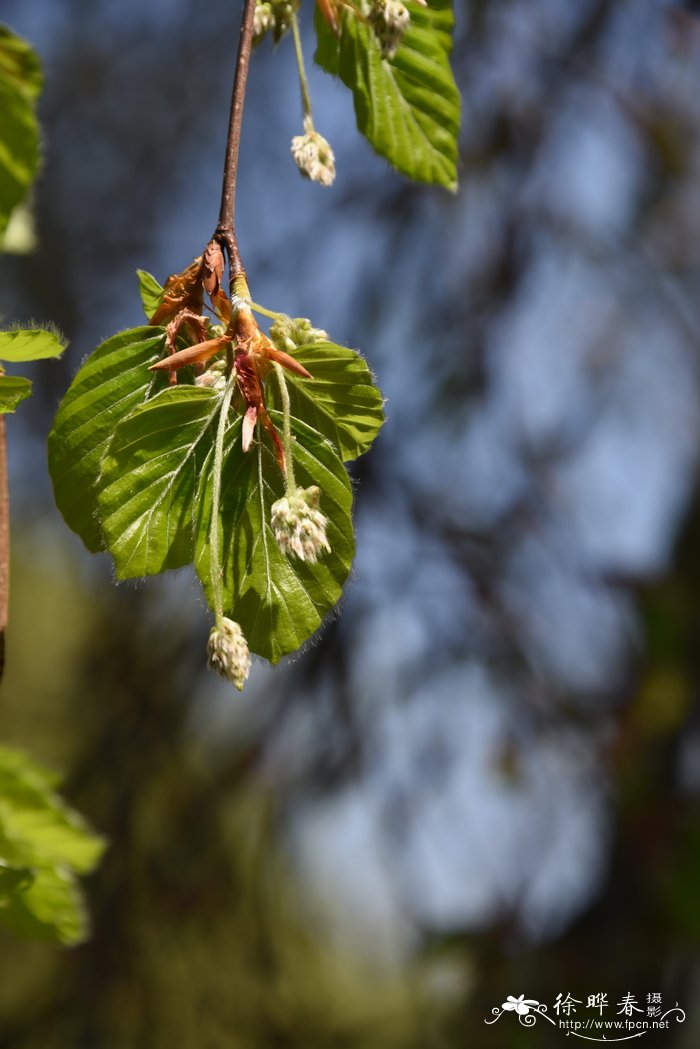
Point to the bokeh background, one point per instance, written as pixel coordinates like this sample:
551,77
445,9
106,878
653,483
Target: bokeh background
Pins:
482,778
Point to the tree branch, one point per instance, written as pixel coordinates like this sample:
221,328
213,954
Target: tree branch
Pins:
226,231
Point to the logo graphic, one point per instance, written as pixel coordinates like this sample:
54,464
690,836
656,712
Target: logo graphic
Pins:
630,1020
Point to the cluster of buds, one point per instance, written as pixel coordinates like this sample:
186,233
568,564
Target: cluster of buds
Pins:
275,15
215,376
313,155
289,333
228,653
299,526
389,20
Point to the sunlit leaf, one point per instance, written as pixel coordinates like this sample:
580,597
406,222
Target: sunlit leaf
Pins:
32,344
20,84
151,292
43,845
36,826
279,601
341,401
408,106
111,383
51,908
13,390
149,477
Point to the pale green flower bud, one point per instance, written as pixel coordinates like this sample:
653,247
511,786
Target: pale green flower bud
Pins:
288,333
228,654
263,20
299,526
214,377
313,155
275,15
389,20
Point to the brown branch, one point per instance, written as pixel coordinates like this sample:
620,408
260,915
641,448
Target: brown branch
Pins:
226,231
4,543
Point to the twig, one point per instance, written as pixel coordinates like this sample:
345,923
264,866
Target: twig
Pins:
226,231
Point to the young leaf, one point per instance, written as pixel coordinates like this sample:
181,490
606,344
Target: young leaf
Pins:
279,601
36,826
43,845
151,292
50,908
13,390
407,106
341,401
111,383
12,880
148,480
20,84
34,344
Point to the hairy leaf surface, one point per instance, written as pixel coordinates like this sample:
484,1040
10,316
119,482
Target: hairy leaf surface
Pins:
111,383
13,390
341,402
407,106
279,601
156,504
149,477
32,344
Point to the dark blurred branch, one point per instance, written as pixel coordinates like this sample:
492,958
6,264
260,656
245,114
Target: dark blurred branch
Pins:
226,231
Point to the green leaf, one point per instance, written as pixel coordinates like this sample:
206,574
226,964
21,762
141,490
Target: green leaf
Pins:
155,506
34,344
13,879
51,908
279,601
407,106
111,383
20,85
36,826
151,292
341,401
13,390
43,844
147,498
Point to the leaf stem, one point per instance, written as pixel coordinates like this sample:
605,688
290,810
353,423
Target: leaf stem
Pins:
272,314
303,82
286,430
215,567
225,232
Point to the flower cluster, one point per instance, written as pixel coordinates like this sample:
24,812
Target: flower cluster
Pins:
299,526
313,155
228,653
275,15
215,376
389,20
288,333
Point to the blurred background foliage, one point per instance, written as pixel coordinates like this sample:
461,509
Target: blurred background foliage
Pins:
483,779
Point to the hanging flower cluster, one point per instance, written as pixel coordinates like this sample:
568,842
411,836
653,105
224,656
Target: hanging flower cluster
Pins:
273,16
227,652
313,155
299,526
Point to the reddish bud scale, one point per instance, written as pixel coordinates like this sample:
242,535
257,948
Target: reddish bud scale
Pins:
212,268
197,354
181,291
327,9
